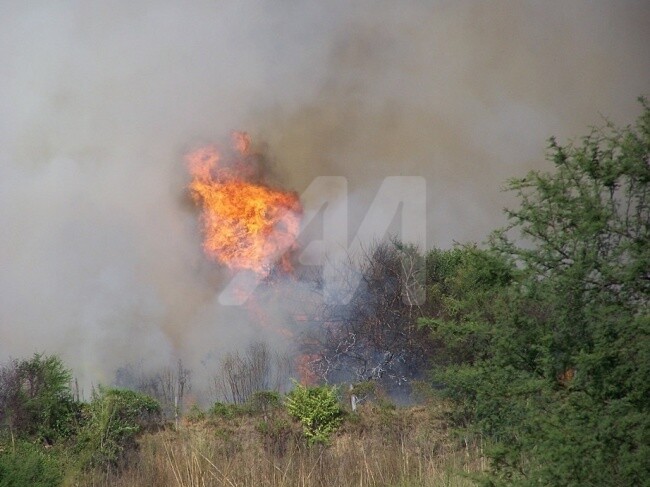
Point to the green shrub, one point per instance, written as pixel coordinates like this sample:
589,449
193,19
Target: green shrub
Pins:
318,409
542,342
35,398
114,418
26,464
264,401
227,411
364,389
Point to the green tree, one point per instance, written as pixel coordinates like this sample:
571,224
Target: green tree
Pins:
546,338
467,296
35,398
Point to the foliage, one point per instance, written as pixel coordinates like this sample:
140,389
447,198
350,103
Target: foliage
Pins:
36,400
227,411
26,464
264,401
318,409
545,342
195,414
370,393
466,292
113,419
258,402
365,388
408,447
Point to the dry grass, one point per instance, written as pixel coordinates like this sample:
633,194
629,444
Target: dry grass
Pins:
377,447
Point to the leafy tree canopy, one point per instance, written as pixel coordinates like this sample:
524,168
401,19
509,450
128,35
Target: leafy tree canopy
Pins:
35,398
545,338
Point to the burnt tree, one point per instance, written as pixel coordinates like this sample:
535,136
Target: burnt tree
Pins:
372,332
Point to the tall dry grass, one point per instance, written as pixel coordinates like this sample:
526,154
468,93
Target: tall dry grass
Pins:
376,447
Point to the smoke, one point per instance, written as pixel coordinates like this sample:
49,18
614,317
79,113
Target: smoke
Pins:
100,248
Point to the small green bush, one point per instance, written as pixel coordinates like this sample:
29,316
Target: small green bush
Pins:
114,418
264,401
318,409
26,464
227,411
365,389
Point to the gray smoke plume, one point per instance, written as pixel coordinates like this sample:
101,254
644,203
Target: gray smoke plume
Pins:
100,257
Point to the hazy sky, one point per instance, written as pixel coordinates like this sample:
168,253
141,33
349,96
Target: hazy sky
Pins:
100,256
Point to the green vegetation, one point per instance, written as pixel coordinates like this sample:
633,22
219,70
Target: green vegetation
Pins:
317,409
407,448
36,400
544,343
46,434
113,419
28,464
258,443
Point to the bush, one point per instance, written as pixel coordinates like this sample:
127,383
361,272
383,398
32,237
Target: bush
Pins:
195,414
114,418
35,398
318,409
264,401
29,464
543,342
227,411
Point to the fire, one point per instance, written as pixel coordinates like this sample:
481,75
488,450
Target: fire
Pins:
246,223
303,365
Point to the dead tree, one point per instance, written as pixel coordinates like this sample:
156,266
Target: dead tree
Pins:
240,375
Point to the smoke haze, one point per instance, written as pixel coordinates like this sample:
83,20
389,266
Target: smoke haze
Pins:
100,254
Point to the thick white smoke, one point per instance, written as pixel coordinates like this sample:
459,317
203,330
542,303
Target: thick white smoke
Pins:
100,257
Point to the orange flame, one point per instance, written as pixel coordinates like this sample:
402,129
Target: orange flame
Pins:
246,224
306,374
